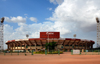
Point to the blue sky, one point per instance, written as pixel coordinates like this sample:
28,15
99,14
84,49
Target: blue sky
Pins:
69,17
29,8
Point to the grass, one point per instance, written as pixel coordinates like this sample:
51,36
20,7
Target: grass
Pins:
51,52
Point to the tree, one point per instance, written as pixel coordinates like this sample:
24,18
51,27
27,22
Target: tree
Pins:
51,45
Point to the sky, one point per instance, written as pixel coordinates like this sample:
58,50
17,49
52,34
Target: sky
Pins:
68,17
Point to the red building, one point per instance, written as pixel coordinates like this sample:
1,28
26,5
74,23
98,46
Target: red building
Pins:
46,37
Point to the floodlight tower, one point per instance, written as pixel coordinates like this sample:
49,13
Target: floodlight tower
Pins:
1,34
98,32
74,35
27,35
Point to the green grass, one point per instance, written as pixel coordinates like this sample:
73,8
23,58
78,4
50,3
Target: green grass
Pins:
39,52
51,52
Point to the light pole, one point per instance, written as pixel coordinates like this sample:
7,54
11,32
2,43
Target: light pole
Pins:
27,38
86,46
48,40
75,38
1,34
98,32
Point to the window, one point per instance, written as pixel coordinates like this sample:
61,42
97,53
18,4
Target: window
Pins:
37,45
23,46
66,45
32,45
0,46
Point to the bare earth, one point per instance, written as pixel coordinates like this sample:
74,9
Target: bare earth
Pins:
65,58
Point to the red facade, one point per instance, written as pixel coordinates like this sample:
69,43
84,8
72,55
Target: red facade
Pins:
49,34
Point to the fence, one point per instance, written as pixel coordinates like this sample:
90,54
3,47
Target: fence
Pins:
16,53
30,53
88,52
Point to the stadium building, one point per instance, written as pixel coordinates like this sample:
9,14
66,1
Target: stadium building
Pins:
46,37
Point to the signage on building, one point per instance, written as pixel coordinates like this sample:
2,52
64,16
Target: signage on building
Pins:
76,51
49,33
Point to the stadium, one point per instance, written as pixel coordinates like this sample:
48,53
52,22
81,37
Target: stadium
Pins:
45,37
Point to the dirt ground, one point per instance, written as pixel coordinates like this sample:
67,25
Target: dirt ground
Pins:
65,58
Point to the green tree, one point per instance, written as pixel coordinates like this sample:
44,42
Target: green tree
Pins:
51,45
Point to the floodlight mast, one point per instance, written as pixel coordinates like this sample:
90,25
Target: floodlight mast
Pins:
97,19
2,20
27,35
74,35
1,34
98,32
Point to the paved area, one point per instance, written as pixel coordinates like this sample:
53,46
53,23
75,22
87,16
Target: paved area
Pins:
65,58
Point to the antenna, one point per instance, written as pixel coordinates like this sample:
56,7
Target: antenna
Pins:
1,34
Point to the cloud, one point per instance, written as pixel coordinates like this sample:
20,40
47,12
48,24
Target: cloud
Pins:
50,9
56,1
33,19
18,19
80,14
25,14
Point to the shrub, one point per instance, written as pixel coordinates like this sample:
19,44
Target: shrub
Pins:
25,54
95,50
51,52
39,52
55,52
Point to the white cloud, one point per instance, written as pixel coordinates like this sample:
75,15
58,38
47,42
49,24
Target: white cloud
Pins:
33,19
59,1
50,9
17,19
56,1
80,13
25,14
